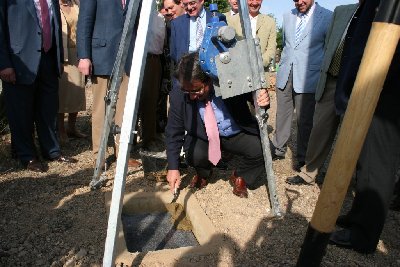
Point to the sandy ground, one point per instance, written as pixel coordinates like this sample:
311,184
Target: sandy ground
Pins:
54,219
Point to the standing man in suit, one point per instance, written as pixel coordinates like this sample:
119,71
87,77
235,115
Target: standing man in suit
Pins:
263,27
326,121
187,31
380,156
231,13
234,8
204,124
304,31
99,32
31,56
173,8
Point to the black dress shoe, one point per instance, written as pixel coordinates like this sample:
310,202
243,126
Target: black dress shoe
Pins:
276,157
35,166
296,180
64,159
341,238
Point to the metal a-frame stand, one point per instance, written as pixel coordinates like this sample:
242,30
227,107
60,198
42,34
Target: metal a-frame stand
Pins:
255,71
130,113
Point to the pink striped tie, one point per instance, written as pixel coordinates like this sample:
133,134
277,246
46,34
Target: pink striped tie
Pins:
123,3
214,149
46,29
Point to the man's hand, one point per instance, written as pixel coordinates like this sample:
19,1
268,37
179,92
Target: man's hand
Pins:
85,66
8,75
263,98
174,179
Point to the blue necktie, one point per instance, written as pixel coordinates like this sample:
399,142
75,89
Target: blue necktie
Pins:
300,27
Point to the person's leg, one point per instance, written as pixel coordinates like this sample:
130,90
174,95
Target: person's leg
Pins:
325,124
284,114
20,115
376,178
99,89
149,98
119,111
62,134
304,105
72,130
46,105
197,156
250,164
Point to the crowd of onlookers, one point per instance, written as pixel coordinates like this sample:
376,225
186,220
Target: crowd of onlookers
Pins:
45,66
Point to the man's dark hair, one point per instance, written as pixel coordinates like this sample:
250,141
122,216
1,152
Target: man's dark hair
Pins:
188,69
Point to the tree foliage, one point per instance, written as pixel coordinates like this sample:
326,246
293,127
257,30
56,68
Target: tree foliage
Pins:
223,5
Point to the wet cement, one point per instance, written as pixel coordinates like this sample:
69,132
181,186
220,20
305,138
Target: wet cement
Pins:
156,231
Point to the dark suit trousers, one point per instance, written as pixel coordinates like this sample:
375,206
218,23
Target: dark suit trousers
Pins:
35,105
376,176
250,163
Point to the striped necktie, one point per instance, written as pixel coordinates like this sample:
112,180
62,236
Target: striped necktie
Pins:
300,27
199,33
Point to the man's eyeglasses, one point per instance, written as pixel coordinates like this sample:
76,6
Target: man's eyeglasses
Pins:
198,91
191,3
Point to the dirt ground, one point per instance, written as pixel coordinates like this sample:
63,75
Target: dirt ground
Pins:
55,219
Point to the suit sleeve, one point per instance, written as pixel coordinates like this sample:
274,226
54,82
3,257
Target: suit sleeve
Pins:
86,20
5,61
175,130
270,49
329,32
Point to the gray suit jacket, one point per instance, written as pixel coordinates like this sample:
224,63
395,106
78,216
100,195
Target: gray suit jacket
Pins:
21,40
306,56
341,18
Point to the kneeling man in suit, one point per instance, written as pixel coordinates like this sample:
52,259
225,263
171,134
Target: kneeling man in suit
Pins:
211,124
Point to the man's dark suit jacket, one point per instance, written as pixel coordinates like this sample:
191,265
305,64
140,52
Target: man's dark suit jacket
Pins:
180,36
184,116
21,40
100,26
351,59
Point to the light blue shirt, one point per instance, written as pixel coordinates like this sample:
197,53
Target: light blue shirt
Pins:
226,124
193,29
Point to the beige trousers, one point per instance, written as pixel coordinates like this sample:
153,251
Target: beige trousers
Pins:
99,89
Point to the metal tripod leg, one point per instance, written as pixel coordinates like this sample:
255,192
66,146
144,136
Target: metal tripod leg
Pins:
112,92
129,120
259,81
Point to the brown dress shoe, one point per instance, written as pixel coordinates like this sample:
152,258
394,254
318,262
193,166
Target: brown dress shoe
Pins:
35,166
239,186
132,163
198,183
